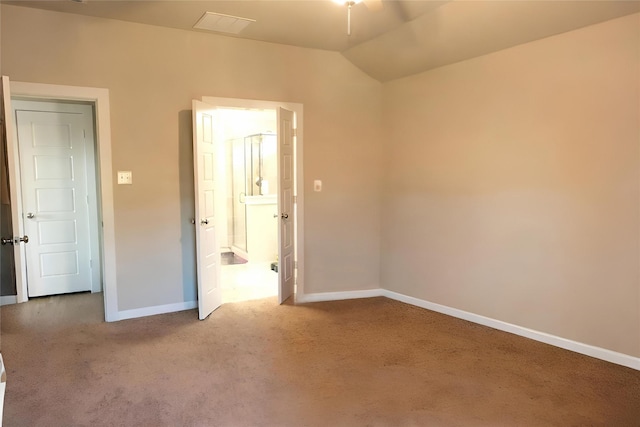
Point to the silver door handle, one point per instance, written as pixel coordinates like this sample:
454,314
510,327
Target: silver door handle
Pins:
284,216
15,241
204,221
31,215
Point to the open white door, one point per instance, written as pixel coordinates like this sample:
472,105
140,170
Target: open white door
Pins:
286,246
8,127
208,258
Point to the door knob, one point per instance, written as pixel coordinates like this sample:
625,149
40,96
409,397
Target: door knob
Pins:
204,221
284,216
15,241
31,215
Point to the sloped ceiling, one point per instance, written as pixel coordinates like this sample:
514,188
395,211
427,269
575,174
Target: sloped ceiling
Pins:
461,30
401,39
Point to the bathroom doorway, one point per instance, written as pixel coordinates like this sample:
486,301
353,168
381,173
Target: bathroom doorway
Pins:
257,202
248,144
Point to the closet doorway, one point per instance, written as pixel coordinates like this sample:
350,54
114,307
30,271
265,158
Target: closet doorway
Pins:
38,98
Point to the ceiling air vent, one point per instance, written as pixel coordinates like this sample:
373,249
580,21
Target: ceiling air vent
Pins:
222,23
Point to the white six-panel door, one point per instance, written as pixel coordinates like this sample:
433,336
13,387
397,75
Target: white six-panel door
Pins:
286,247
208,257
52,153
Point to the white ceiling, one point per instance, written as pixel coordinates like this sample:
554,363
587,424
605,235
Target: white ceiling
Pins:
403,38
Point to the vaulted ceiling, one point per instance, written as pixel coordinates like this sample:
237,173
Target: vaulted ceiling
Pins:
396,40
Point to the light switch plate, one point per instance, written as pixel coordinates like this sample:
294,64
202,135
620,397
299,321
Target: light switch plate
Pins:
125,177
317,185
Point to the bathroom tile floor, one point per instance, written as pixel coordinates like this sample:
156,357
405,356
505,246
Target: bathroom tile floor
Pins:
244,282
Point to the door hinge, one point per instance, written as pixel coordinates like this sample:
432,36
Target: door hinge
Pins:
295,265
295,132
295,199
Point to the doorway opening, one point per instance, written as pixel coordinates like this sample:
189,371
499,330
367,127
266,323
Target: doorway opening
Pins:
56,151
63,170
249,204
248,238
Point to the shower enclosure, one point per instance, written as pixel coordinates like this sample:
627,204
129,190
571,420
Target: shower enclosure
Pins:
253,170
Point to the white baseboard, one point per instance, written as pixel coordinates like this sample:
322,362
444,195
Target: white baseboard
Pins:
578,347
158,309
3,386
8,299
336,296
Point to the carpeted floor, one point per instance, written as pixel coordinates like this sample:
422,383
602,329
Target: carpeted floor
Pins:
372,362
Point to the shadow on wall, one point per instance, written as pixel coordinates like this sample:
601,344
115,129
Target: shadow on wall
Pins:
187,204
7,276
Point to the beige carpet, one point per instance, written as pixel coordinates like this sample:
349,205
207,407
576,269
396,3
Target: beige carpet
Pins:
372,362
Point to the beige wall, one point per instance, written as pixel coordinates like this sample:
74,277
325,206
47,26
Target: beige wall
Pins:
152,74
512,186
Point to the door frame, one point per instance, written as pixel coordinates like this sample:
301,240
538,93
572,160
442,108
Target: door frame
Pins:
99,98
299,175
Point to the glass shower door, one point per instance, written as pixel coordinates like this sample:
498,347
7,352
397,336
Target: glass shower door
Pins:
239,191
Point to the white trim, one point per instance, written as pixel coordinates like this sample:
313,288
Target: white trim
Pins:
158,309
337,296
3,387
578,347
299,155
8,299
100,98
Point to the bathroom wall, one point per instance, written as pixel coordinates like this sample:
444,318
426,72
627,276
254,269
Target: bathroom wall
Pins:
233,126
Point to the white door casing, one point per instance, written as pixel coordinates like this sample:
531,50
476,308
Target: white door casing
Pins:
207,253
286,247
99,98
54,155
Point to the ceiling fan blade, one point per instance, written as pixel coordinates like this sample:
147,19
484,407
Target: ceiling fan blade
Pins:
374,5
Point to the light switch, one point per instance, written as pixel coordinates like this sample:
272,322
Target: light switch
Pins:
317,185
124,177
